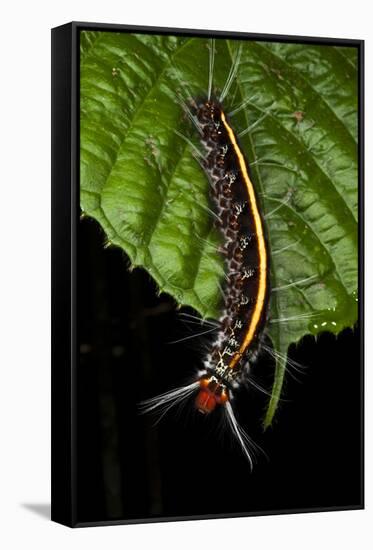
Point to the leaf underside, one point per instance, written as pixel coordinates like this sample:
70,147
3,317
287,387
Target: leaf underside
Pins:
140,180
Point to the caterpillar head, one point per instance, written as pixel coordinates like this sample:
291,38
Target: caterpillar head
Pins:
211,393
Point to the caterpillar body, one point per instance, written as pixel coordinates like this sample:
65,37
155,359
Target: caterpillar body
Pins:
246,292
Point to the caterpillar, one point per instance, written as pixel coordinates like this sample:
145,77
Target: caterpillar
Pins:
247,289
247,258
246,252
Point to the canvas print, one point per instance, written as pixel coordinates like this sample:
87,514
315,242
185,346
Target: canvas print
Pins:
218,335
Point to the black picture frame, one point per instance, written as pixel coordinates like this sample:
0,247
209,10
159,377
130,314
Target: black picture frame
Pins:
65,218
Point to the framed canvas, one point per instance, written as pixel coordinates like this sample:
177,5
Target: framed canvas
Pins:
207,277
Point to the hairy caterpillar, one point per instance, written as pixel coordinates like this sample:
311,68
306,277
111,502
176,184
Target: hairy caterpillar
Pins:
247,287
247,258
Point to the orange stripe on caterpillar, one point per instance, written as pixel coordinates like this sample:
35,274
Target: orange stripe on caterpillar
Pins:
262,247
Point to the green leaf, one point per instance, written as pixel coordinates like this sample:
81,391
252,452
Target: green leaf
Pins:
140,181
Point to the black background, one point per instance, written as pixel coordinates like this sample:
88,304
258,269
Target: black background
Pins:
127,468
